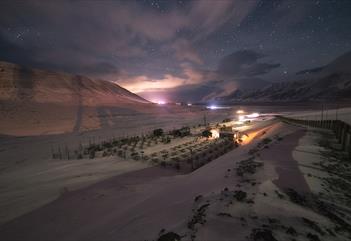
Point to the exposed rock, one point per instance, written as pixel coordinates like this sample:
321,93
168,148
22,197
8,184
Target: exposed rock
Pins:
247,166
313,237
225,214
291,231
262,235
313,225
240,195
296,197
170,236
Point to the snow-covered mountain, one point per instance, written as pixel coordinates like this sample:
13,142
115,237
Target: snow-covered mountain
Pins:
330,82
18,83
35,102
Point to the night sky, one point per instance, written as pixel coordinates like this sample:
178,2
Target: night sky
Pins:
176,50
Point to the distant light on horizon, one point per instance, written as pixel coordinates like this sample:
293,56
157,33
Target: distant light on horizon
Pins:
215,107
240,112
159,102
250,117
212,107
253,115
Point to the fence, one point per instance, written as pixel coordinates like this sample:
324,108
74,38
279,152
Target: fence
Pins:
341,129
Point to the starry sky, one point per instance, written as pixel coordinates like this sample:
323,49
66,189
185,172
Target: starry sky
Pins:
176,50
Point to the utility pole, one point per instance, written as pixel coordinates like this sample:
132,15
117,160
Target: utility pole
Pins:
191,158
336,112
52,152
205,122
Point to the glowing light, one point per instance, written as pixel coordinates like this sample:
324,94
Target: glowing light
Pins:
212,107
189,104
215,134
240,112
215,107
253,115
161,102
248,137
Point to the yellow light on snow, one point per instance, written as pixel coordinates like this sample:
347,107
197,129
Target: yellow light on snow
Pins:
215,134
240,112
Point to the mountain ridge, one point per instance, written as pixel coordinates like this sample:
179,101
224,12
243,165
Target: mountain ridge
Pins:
19,83
329,82
41,102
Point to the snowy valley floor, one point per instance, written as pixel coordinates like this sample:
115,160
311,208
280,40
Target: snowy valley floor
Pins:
287,183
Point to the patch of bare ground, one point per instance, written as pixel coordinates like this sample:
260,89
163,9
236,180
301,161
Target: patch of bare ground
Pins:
265,212
233,197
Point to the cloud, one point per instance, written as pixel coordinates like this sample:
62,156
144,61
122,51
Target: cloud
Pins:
186,93
244,63
184,51
224,88
143,83
123,41
202,17
290,13
120,29
239,70
207,16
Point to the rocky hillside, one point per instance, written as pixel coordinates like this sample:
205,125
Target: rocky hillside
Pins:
18,83
332,87
35,102
330,82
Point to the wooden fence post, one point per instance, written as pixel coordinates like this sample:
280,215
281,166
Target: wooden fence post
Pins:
333,126
344,137
339,130
347,139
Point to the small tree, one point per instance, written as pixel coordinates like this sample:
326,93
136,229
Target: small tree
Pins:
92,154
165,156
158,132
177,166
207,133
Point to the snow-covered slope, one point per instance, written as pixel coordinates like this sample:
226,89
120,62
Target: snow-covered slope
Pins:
18,83
330,82
36,101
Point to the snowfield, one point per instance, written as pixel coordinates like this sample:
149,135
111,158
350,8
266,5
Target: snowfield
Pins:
343,114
